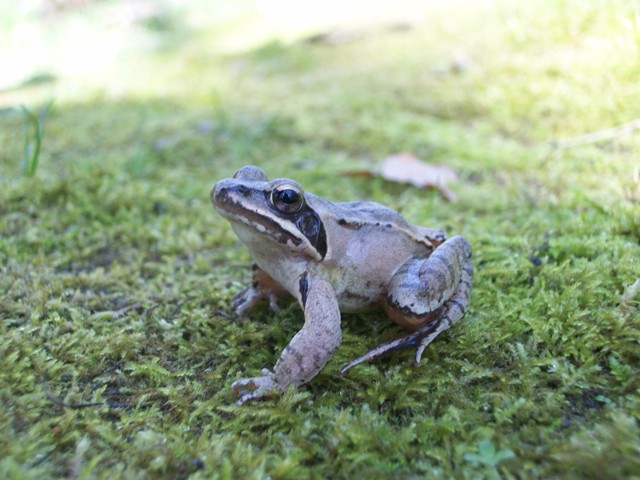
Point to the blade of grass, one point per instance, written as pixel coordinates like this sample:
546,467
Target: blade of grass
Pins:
31,157
27,144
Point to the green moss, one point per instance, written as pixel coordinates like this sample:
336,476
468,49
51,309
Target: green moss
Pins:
116,275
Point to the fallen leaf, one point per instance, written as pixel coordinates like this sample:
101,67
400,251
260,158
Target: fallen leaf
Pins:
407,168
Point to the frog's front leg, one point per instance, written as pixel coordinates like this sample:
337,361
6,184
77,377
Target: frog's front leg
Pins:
427,296
309,350
262,288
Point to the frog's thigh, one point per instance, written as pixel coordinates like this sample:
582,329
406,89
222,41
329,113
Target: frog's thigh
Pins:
452,311
421,286
314,345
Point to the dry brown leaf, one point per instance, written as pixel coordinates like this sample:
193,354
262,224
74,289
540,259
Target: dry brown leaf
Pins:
407,168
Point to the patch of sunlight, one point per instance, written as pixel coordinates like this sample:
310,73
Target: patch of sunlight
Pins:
289,20
88,43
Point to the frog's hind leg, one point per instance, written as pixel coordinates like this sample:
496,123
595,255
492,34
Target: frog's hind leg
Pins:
422,285
452,311
441,285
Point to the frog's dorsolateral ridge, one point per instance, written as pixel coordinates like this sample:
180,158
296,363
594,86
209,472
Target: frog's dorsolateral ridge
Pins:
335,257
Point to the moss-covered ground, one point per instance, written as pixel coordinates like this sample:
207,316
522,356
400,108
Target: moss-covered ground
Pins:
118,349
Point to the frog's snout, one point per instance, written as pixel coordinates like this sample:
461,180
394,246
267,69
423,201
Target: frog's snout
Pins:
230,196
220,193
213,194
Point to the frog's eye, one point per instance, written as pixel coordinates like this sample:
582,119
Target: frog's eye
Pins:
287,198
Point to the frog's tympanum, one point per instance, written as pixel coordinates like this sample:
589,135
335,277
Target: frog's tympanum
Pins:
335,257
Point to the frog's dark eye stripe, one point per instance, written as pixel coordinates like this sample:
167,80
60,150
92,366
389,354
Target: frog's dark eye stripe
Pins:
287,198
311,226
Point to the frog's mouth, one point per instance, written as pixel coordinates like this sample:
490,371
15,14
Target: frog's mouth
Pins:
239,203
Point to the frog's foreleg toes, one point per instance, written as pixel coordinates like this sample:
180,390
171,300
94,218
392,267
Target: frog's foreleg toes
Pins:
239,298
255,388
249,297
250,397
244,300
263,288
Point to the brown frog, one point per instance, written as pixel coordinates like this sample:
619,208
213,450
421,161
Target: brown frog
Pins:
335,257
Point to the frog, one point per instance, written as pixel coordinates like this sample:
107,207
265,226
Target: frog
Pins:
335,258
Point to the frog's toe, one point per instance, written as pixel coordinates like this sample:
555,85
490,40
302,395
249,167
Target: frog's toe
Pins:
250,397
249,297
244,300
254,388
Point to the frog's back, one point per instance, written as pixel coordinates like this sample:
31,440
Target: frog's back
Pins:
378,215
369,221
359,214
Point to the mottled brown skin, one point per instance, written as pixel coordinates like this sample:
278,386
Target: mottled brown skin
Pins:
339,257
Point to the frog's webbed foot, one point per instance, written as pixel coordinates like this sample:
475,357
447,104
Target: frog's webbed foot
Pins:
452,269
263,288
255,388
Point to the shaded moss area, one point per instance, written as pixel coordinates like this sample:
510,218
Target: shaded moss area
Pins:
116,275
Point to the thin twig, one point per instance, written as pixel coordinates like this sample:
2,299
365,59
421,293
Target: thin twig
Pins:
599,136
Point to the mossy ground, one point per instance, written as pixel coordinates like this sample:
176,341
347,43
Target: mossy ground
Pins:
116,274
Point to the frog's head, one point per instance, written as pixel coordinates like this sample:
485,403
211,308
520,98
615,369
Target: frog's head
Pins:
275,211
